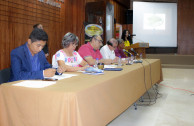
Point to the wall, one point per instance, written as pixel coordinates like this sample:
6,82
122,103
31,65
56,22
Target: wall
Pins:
119,9
18,17
186,27
119,12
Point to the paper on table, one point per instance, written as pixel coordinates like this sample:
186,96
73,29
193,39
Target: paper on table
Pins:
110,66
63,76
93,73
35,84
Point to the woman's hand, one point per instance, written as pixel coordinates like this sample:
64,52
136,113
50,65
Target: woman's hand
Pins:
61,69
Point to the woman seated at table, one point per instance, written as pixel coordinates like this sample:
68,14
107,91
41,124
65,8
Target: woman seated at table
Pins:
119,49
68,57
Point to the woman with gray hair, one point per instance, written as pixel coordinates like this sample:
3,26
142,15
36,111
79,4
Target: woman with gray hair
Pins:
119,49
68,57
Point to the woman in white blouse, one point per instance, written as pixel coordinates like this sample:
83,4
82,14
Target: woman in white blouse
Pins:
68,57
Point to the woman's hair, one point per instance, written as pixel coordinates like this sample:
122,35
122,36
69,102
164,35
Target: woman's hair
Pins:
120,41
124,34
128,37
68,39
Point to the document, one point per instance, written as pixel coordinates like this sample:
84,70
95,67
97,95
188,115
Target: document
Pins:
110,66
60,77
35,84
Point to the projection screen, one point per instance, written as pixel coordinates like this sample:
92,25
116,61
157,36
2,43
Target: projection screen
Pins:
155,23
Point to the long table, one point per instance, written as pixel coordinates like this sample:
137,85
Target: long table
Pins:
83,100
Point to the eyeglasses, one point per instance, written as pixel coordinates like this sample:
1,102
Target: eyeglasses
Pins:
75,44
114,47
100,41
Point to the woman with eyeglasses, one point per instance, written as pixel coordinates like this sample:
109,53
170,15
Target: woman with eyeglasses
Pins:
68,57
119,50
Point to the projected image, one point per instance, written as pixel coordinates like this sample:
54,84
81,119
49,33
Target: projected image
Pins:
154,21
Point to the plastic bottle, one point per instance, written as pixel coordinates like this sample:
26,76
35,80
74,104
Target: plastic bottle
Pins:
96,63
140,56
119,61
132,58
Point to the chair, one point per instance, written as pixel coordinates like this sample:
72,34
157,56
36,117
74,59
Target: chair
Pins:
4,75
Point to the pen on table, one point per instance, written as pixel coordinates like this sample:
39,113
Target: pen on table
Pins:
50,79
58,72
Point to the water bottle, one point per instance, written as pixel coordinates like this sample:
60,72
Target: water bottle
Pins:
119,61
96,63
140,56
132,58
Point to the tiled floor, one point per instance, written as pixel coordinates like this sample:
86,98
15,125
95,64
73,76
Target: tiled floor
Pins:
175,107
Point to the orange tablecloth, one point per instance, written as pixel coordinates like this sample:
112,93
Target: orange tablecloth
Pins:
83,100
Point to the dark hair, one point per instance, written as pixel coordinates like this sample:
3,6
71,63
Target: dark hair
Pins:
35,26
68,39
38,34
94,36
128,37
111,41
45,49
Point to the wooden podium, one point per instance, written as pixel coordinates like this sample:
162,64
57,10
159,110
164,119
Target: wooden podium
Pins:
139,48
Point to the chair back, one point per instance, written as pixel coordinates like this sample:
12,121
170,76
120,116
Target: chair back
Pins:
4,75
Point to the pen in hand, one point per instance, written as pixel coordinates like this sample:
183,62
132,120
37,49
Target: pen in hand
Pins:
50,79
60,70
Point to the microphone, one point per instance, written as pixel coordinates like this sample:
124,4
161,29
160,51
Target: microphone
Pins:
132,35
134,52
100,20
129,54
